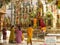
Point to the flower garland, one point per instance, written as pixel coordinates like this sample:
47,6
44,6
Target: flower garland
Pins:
49,15
1,4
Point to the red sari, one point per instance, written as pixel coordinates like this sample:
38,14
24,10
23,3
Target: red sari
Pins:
42,25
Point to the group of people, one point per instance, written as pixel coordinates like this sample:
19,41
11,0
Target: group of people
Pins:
16,34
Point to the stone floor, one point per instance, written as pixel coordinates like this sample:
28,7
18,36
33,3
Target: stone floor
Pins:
25,43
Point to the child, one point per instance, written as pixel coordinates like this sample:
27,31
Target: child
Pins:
23,41
30,34
22,36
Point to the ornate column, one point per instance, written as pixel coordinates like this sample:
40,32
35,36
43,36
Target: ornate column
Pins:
58,15
54,11
17,12
2,13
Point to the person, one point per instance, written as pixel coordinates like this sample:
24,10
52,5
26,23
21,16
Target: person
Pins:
29,34
4,34
42,25
12,34
34,22
18,34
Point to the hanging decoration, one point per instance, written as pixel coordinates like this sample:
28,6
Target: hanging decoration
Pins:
1,4
49,18
6,2
58,4
49,1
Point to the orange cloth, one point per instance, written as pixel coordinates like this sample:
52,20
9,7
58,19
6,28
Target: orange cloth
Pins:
30,32
44,29
35,21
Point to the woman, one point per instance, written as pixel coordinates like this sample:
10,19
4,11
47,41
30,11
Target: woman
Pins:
12,35
18,34
42,25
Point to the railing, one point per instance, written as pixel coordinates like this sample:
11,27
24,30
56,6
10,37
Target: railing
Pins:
38,34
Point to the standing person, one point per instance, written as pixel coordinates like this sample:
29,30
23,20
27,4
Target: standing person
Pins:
29,34
4,34
12,35
18,34
34,22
